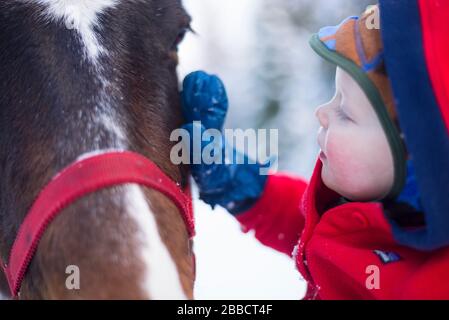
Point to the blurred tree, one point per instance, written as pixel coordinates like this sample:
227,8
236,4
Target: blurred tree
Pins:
288,77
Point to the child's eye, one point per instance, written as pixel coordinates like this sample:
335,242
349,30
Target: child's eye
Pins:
342,115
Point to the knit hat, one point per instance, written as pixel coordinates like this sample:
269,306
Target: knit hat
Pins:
355,45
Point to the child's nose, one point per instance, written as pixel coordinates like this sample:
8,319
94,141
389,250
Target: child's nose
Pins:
321,114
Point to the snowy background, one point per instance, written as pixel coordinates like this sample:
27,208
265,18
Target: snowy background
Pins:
274,80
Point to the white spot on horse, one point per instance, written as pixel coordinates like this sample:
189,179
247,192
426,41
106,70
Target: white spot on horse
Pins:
81,16
110,123
161,280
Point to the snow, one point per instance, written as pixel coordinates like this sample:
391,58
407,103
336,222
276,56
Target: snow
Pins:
234,265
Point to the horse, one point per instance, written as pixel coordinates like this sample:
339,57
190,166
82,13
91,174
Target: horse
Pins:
78,78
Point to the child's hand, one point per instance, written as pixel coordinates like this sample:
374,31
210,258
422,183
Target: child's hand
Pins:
204,99
235,187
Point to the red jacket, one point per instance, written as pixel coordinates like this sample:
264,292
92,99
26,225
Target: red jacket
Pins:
346,252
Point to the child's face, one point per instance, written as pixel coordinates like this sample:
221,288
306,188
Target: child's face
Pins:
357,161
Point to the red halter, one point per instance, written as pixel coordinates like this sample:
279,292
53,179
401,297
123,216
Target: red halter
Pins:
77,180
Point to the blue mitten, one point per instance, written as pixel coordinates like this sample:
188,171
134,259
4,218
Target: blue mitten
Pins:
204,99
235,187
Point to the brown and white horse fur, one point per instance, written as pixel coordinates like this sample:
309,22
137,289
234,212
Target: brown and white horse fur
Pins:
80,77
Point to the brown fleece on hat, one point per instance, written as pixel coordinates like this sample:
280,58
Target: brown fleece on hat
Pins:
372,45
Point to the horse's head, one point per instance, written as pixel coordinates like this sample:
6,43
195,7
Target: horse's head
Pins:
81,77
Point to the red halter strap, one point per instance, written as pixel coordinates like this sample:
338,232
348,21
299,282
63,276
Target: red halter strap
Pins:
77,180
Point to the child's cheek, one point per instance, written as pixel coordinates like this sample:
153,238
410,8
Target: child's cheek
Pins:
338,151
341,157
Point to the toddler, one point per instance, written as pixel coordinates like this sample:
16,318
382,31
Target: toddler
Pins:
341,227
